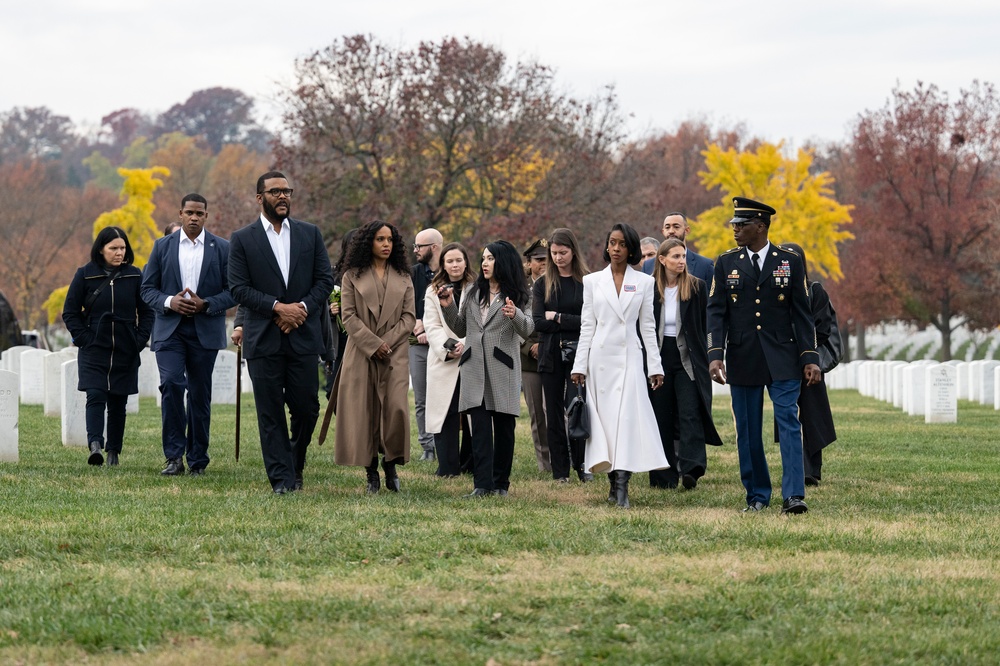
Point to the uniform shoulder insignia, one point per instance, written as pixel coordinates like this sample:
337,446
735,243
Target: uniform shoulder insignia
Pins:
735,249
785,249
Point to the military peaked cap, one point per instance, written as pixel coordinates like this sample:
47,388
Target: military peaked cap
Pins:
745,209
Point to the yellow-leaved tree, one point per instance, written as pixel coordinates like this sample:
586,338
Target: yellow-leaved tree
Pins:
135,217
807,213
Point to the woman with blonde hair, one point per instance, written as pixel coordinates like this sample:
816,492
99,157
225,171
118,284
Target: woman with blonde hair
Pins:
683,405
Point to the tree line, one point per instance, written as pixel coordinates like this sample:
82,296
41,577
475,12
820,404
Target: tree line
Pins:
899,217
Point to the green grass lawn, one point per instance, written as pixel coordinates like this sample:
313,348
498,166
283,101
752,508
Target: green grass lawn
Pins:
896,561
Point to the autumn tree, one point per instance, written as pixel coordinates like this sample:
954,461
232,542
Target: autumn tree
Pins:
46,234
135,216
230,188
34,134
188,162
927,207
807,214
220,115
448,135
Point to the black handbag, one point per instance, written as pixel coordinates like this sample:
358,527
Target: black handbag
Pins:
568,350
578,416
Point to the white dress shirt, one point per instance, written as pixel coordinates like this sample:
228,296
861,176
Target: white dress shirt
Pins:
190,257
761,254
281,244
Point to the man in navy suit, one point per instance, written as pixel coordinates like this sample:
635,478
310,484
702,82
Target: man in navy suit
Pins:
280,275
675,225
186,282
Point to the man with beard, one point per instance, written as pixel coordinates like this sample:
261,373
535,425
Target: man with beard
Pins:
186,283
279,273
761,333
675,225
427,249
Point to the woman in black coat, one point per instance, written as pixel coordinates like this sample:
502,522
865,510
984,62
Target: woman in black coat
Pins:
683,405
110,323
818,430
556,303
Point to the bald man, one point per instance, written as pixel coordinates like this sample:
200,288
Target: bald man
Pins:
427,250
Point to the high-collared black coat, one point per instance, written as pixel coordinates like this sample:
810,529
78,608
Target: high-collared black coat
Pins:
762,327
113,332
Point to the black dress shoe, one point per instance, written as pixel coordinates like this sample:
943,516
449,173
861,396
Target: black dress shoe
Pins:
298,482
427,456
95,459
689,481
562,479
199,471
812,481
174,467
479,492
281,490
794,505
112,458
585,477
754,507
502,492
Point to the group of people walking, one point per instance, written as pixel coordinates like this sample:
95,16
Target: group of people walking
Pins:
641,340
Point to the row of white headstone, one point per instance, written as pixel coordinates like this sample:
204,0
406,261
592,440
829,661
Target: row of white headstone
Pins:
922,388
38,377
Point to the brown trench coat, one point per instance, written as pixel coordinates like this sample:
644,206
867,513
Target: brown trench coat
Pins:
364,387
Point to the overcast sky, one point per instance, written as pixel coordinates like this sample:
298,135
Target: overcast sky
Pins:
789,70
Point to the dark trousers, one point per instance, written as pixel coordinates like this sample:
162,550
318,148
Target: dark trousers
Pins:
813,464
492,448
291,379
564,453
678,412
186,366
453,459
98,402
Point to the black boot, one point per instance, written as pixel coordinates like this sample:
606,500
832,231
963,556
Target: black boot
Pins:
391,479
612,494
621,488
373,481
96,458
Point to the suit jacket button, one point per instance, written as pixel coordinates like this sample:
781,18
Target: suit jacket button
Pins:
757,301
758,327
757,313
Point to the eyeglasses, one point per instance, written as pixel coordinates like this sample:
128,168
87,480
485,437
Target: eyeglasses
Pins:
740,225
420,246
277,192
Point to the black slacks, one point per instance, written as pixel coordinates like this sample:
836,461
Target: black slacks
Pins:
564,453
453,459
677,410
292,379
492,448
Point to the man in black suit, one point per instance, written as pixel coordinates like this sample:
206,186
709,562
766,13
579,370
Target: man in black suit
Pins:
186,283
760,322
280,274
675,225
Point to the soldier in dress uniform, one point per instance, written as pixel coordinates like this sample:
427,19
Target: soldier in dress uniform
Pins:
760,333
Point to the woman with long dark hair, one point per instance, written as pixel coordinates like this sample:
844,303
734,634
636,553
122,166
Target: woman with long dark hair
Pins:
445,347
493,322
684,403
371,388
110,323
618,302
556,303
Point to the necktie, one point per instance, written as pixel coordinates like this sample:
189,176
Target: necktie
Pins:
756,267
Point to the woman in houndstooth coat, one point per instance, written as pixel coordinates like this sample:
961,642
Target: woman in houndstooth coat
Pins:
493,322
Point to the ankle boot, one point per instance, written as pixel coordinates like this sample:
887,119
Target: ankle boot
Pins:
391,478
373,481
96,458
621,488
612,494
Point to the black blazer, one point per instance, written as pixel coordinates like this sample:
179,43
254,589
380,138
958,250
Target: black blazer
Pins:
692,321
255,282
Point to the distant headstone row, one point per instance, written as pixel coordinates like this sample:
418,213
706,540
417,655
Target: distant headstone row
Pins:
32,376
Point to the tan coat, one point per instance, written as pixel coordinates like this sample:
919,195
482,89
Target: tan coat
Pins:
372,395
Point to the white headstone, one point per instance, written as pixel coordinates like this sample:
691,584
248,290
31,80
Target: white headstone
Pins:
986,383
941,400
897,384
149,374
915,379
975,380
224,378
53,381
996,383
73,410
12,357
963,379
9,403
33,376
132,404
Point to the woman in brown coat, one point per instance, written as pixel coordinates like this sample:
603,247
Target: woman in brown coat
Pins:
371,388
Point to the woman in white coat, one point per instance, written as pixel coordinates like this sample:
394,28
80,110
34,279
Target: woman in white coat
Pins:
624,437
445,347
